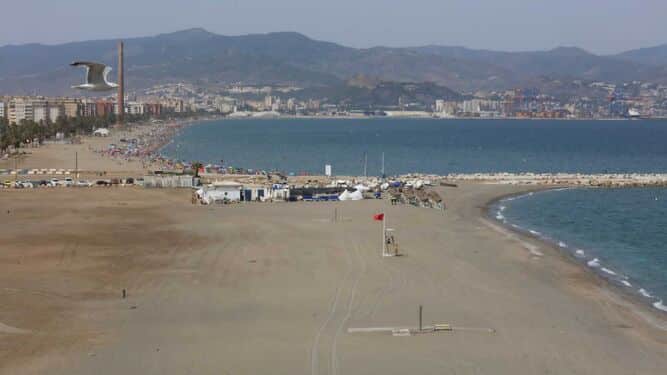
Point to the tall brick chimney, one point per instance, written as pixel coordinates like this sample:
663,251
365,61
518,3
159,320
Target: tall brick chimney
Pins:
121,86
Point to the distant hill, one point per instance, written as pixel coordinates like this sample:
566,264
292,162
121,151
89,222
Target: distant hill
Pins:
208,59
364,94
650,56
570,62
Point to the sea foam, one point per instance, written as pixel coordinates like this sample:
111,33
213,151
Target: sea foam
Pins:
626,283
580,253
644,293
660,306
594,263
607,270
562,244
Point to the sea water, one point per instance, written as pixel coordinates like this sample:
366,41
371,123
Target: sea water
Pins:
621,234
426,145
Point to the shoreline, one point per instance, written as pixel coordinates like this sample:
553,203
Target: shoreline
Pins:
646,310
398,117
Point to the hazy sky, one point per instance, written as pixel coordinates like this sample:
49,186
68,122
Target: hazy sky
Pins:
602,26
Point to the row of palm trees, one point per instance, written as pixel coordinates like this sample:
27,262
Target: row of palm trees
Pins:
28,132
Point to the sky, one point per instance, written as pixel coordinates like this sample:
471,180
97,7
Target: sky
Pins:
600,26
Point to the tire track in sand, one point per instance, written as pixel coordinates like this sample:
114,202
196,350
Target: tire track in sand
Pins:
348,314
314,352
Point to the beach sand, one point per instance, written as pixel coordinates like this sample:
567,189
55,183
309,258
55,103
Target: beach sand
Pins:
63,156
273,288
91,157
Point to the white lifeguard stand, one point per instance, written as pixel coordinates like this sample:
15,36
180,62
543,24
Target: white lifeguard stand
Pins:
389,245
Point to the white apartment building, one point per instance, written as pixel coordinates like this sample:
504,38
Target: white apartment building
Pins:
40,113
56,111
3,109
135,108
439,105
20,109
40,110
446,107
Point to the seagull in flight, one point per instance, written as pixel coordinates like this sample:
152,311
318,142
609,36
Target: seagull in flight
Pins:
96,77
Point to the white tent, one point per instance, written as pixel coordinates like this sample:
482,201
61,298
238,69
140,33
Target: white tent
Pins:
362,188
345,196
354,196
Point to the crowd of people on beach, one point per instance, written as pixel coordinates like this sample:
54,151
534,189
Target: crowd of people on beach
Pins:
142,144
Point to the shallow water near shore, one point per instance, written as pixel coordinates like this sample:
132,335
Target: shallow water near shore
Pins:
617,233
426,145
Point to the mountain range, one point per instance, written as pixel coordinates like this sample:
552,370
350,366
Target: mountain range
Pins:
288,58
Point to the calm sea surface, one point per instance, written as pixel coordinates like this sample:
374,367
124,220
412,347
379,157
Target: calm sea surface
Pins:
434,146
619,233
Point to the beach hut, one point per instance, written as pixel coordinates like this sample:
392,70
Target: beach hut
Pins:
229,190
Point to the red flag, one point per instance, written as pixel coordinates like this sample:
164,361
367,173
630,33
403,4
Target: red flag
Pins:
378,217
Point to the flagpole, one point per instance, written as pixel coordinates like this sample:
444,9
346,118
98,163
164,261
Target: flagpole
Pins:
384,233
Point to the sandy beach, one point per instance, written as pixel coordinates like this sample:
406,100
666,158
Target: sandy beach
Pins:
94,155
274,288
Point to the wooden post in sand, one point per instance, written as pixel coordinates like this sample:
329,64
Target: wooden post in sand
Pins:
420,317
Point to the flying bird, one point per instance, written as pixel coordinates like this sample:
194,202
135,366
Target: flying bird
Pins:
96,77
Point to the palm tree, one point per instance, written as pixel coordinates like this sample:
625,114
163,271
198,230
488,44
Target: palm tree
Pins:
5,140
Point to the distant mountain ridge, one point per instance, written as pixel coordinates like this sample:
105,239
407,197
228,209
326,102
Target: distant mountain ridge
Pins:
208,59
650,56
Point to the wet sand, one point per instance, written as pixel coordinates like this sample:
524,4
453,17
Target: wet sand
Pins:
273,288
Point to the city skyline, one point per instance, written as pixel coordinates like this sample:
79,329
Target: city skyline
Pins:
516,25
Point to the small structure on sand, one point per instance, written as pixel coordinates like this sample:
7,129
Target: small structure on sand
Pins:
101,132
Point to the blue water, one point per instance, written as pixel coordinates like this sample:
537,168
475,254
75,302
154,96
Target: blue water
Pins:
624,229
426,145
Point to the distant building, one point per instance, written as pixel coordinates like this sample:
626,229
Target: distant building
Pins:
71,107
55,111
104,108
153,109
439,106
446,108
3,110
268,102
40,113
20,109
291,104
173,105
135,108
88,108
